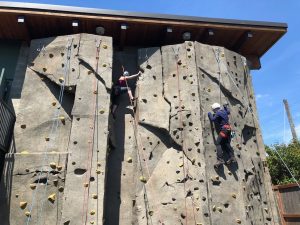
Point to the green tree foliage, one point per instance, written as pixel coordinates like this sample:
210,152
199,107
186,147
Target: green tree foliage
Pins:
291,156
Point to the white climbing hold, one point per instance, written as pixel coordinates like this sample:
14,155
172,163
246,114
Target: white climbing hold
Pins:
23,205
129,160
214,208
51,197
27,213
92,222
238,221
62,118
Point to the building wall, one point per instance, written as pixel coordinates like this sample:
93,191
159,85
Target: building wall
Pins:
9,53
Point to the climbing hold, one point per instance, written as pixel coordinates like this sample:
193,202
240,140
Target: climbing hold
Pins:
53,103
129,160
94,196
32,186
219,209
217,177
98,164
197,208
61,189
47,139
266,210
27,170
229,173
143,179
98,171
24,152
95,92
238,221
53,165
233,195
51,198
175,208
151,213
27,213
214,208
44,69
92,222
92,212
104,65
23,205
90,72
193,161
55,182
23,126
61,79
222,55
180,165
104,46
85,184
59,168
199,223
179,62
17,195
102,111
182,215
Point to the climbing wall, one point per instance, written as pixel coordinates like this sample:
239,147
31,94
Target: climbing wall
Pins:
175,181
71,163
56,169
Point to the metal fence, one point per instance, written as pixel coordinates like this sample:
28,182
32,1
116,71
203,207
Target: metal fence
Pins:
288,199
7,122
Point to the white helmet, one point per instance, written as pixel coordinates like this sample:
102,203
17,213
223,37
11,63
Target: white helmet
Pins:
215,106
126,73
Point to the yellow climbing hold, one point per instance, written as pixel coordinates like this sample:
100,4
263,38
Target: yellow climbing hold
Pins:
180,165
222,54
104,65
105,46
238,221
94,196
27,213
129,160
98,171
51,197
23,205
143,179
92,222
62,118
92,212
53,165
85,185
32,186
24,152
61,79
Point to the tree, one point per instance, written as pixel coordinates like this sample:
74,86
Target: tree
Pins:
291,156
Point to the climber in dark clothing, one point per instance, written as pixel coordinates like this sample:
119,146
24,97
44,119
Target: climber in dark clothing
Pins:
121,87
221,120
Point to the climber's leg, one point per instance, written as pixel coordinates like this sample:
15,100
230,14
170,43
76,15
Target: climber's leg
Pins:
230,151
220,159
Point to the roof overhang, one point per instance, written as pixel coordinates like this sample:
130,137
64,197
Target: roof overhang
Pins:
250,38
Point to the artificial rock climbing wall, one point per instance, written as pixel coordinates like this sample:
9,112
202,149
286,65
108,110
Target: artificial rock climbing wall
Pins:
72,164
56,170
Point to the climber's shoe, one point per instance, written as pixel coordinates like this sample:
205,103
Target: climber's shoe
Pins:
218,164
231,160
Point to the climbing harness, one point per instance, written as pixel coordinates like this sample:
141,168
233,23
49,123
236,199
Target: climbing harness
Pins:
53,130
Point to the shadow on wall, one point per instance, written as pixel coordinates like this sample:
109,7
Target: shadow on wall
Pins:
127,59
6,184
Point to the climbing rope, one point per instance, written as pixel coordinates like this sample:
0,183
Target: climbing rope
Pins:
217,56
52,131
181,134
91,141
138,137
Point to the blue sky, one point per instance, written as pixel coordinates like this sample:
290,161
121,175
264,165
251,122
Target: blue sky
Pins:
279,77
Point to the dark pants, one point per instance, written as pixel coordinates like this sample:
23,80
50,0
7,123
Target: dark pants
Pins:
224,143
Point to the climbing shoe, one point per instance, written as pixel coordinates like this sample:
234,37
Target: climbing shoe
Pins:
231,160
218,164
